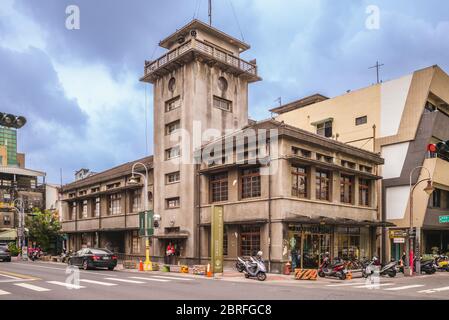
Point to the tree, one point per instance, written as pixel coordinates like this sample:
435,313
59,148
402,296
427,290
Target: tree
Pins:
44,227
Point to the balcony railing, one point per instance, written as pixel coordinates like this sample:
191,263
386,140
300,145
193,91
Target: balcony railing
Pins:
205,48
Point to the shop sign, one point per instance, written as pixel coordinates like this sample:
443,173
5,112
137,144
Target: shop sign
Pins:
146,224
399,240
397,234
444,219
217,228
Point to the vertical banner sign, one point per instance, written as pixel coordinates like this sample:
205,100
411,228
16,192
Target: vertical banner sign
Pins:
217,226
146,224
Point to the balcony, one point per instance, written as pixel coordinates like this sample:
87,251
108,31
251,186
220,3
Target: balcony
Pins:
208,52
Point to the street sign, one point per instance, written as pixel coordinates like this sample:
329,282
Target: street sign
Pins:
217,239
399,240
398,233
444,219
148,224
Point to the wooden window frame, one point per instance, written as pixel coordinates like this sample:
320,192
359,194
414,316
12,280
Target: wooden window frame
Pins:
319,181
296,177
250,179
218,187
346,181
167,200
364,187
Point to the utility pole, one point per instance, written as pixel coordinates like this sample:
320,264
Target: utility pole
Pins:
210,12
377,66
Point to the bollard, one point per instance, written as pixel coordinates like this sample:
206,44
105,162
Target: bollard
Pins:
140,265
209,272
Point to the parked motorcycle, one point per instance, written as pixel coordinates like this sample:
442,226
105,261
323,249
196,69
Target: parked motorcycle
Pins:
442,262
35,255
255,267
240,264
65,256
427,266
389,269
335,269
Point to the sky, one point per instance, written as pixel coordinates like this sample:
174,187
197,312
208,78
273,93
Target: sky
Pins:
80,92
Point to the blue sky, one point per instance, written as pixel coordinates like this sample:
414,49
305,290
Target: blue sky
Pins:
80,92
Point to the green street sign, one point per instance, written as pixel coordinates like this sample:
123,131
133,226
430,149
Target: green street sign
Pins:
444,219
217,228
148,224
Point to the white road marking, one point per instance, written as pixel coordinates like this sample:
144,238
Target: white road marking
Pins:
172,278
434,290
405,287
149,279
11,277
124,280
345,284
67,285
2,293
99,282
375,285
61,269
31,287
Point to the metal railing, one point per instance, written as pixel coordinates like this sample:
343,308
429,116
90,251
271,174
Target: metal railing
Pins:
195,44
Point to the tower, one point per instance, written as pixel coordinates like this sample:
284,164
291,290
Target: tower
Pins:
200,85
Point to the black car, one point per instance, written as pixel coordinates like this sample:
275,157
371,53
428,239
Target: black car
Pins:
90,258
5,255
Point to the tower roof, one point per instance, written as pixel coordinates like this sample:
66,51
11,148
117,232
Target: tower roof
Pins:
199,25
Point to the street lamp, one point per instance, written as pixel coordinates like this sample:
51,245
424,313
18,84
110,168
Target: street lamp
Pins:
133,180
428,189
19,203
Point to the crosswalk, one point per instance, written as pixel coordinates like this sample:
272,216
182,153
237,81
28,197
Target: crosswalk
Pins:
389,286
46,286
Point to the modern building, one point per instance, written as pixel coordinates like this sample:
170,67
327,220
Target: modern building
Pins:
398,119
102,210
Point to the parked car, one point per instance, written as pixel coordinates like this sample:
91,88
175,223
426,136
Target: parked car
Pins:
91,258
5,255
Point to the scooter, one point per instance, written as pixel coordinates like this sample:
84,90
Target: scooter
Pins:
389,269
255,268
35,255
336,269
442,263
427,266
240,264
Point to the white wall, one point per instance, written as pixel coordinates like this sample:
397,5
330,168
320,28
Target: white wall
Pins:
394,156
396,201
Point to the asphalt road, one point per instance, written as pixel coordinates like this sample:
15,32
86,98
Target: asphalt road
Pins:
39,280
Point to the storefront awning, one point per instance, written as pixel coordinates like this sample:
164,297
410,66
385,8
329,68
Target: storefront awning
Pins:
337,221
8,235
171,236
258,221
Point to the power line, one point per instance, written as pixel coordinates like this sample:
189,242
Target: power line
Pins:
146,122
237,20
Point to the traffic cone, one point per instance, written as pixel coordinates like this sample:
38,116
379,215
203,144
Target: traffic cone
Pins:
209,272
140,265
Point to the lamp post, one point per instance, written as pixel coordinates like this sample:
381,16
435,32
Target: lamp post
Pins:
428,189
21,213
133,180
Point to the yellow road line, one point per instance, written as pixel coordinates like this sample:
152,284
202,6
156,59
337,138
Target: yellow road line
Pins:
18,275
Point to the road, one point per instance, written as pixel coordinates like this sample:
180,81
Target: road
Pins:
40,280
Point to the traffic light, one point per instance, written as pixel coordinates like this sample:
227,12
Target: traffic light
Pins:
12,121
440,149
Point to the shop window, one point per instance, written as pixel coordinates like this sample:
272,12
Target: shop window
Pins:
364,192
324,129
114,204
249,240
346,188
219,187
299,182
322,185
351,242
250,183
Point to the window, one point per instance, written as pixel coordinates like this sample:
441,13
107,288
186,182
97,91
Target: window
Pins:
346,189
73,211
299,182
348,164
250,183
361,120
322,157
113,185
365,168
172,104
219,187
84,213
114,204
436,198
250,240
6,220
172,203
364,192
172,177
172,153
136,201
222,104
93,190
97,207
33,184
172,126
324,129
322,185
302,152
430,107
135,242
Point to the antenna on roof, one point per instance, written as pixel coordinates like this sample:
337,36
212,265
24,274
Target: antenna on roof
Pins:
279,100
210,12
377,66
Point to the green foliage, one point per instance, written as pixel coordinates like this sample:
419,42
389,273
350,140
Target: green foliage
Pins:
13,249
43,227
